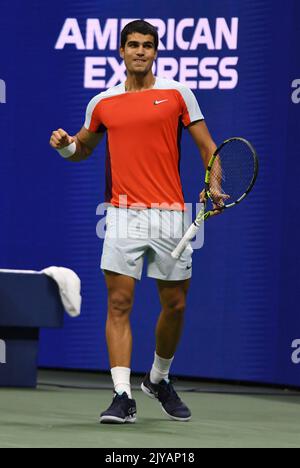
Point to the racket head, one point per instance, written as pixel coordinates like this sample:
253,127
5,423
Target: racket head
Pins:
232,171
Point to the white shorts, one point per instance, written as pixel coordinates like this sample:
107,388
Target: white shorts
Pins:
132,235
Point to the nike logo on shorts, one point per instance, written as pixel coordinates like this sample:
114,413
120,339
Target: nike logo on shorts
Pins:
189,267
156,103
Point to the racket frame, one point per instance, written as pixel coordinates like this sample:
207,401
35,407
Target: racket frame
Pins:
203,215
211,163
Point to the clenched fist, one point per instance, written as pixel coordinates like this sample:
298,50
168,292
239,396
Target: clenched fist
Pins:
60,139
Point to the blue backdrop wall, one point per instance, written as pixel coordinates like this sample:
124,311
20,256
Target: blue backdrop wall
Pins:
241,59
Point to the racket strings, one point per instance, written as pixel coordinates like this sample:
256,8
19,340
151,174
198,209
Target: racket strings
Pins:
232,173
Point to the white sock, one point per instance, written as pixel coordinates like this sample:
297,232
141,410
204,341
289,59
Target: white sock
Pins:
121,379
160,369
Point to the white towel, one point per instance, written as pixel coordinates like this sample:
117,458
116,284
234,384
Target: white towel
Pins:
69,285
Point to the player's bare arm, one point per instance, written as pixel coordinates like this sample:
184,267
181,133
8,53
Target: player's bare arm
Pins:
85,141
207,147
203,140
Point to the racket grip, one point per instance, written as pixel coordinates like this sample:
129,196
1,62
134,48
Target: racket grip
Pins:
188,236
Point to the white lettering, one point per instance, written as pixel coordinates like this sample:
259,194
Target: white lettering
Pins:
161,29
2,352
186,72
94,69
223,31
70,34
215,37
2,92
167,68
296,353
228,73
202,35
119,70
106,39
174,34
182,25
115,458
171,34
296,93
206,72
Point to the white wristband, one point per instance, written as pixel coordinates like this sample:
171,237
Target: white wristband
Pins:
68,151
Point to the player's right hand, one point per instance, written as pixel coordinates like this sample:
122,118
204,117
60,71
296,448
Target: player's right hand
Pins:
60,139
218,198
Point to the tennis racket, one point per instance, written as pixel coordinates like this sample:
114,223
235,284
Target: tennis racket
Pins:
230,177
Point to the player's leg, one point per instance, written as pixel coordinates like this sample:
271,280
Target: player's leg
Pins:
119,342
169,328
168,332
122,264
173,279
120,289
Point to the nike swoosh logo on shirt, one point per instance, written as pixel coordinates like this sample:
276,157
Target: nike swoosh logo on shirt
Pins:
156,103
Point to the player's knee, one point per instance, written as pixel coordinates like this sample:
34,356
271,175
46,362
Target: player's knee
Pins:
120,304
176,308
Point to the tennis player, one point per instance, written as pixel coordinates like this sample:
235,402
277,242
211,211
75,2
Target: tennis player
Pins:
143,119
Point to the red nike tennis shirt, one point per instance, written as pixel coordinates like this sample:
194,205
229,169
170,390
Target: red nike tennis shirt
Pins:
143,141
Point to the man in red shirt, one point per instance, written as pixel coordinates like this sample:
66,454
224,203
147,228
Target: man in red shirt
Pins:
143,119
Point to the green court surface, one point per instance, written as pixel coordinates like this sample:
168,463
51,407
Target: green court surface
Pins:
56,415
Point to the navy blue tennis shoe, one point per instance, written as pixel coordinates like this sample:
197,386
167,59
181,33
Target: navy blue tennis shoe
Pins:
170,402
122,410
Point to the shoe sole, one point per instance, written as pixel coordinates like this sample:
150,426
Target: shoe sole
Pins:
148,392
116,420
151,395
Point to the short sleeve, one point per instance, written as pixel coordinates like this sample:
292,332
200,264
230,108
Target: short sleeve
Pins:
93,121
191,111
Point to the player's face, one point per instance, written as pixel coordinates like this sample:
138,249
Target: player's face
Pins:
139,53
